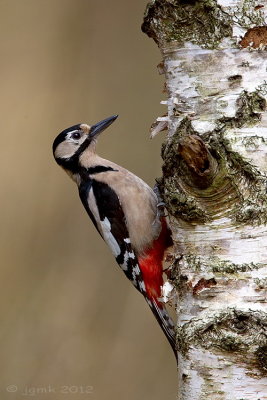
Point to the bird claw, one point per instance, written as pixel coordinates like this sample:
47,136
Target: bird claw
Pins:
161,203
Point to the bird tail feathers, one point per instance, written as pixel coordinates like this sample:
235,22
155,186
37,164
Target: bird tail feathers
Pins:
165,321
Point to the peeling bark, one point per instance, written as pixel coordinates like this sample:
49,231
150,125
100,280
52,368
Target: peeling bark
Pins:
214,186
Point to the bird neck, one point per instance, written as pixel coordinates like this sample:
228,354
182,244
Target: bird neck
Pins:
88,163
89,157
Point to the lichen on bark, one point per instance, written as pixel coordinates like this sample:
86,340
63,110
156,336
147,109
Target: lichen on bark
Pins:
214,186
229,330
201,22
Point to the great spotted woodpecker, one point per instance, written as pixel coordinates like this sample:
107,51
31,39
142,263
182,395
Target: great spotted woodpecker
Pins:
123,209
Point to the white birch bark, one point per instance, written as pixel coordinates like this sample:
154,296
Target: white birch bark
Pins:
214,186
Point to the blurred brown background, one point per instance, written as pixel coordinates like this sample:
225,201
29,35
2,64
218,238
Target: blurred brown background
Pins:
69,317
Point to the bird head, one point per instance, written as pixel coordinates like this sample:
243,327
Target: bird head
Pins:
72,142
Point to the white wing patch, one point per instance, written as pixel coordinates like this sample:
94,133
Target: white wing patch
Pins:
127,255
135,273
103,226
124,265
136,276
109,238
142,286
129,262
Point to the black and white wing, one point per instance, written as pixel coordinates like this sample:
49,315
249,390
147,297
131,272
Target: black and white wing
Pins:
104,208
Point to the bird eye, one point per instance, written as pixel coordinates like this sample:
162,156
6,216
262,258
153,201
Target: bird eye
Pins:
76,135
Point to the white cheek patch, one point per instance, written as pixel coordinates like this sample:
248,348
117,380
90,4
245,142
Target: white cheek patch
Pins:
69,146
65,150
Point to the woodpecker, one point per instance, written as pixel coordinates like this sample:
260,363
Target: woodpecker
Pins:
124,210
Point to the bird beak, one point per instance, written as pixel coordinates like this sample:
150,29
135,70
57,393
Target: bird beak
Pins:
101,126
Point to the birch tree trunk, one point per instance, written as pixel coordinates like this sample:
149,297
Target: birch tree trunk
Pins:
214,187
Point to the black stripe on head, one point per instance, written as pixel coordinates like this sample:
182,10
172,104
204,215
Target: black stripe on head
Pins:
62,136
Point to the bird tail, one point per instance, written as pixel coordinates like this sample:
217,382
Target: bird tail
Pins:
165,321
